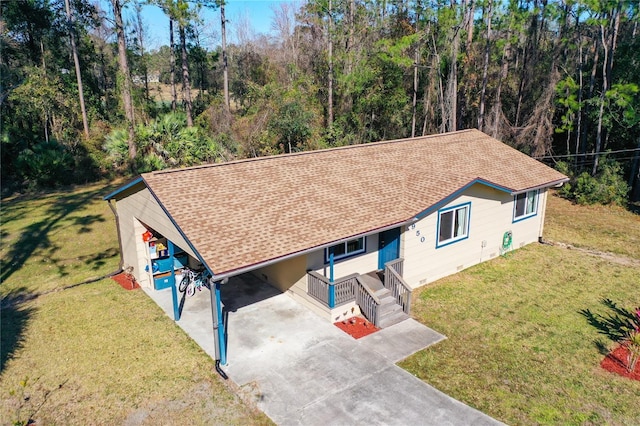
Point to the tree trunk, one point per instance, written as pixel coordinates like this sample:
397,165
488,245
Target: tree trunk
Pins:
634,178
330,76
45,112
126,78
140,34
172,60
580,91
186,82
74,50
225,65
485,67
415,92
452,85
416,60
609,41
497,116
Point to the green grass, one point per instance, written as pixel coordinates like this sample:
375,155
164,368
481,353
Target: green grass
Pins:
92,353
518,347
605,228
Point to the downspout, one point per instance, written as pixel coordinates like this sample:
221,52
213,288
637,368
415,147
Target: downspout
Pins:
542,201
115,213
218,326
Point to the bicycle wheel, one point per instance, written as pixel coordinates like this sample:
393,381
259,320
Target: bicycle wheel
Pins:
191,289
184,283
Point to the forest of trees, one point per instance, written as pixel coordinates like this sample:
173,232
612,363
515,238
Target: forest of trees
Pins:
80,88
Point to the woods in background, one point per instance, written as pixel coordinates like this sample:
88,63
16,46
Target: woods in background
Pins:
559,80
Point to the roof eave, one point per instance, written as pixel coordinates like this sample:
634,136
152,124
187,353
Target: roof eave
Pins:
555,184
457,192
258,265
123,188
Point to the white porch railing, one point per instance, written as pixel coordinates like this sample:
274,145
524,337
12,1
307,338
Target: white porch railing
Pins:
393,282
351,288
331,294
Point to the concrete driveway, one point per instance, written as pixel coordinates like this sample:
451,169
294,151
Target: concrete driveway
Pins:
302,370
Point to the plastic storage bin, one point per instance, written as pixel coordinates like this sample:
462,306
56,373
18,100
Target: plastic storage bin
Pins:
163,281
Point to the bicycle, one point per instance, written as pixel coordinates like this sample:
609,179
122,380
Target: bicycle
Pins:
193,280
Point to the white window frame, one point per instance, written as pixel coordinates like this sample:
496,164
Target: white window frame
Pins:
459,229
346,253
530,206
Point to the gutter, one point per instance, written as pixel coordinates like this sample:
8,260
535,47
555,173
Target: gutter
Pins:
556,184
269,262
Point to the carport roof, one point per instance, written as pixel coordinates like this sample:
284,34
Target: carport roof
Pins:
241,214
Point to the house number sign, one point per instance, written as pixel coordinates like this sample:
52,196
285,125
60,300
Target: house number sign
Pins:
413,227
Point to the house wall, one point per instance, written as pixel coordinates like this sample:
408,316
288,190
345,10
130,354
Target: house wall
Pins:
491,216
139,207
362,263
285,274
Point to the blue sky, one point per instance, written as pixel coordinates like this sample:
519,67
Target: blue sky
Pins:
259,13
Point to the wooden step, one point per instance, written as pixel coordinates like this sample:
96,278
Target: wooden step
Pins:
389,311
372,283
394,318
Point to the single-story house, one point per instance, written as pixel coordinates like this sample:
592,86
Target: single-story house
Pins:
345,230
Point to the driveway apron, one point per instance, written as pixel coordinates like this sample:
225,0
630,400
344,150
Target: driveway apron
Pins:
302,370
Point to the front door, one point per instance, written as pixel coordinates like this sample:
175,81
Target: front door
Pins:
388,246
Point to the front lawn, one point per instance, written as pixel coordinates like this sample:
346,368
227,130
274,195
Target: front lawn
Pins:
78,351
518,347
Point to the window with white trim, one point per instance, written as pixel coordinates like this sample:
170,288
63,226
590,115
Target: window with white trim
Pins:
453,224
525,205
345,249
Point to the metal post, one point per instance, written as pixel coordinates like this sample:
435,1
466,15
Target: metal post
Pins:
332,289
214,316
223,349
174,290
218,324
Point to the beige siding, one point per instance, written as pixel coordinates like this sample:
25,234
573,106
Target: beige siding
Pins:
491,217
141,258
285,274
137,209
360,264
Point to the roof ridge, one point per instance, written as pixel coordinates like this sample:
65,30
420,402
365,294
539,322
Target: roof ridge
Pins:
317,151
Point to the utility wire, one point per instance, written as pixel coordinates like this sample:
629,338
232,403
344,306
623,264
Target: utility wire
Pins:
550,157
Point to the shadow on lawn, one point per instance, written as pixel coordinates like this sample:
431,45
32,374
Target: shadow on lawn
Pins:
14,316
614,325
34,238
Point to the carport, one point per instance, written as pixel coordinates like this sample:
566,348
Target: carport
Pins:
302,370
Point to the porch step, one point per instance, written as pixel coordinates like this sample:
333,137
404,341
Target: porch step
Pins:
389,312
388,321
372,281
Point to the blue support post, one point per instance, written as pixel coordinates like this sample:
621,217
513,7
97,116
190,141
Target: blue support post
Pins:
174,290
221,327
332,289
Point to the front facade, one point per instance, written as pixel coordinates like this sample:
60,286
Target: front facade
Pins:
476,225
344,231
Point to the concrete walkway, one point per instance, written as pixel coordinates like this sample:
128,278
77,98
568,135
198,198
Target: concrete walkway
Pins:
302,370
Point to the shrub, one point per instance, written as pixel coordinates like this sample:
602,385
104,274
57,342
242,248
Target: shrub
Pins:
166,142
117,147
45,164
606,187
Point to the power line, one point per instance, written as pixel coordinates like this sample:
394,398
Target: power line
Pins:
551,157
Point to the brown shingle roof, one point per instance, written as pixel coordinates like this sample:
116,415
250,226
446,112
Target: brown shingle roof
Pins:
247,212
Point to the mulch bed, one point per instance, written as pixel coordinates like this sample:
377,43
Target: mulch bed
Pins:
126,281
356,327
616,362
